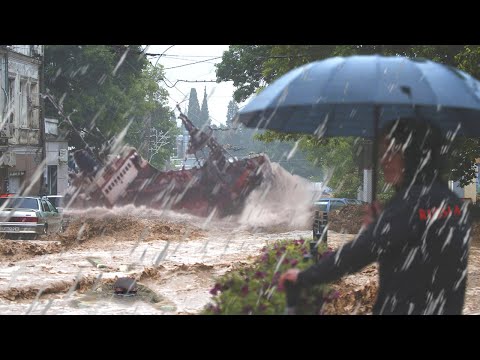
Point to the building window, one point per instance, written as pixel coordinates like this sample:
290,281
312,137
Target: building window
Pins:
11,99
32,103
23,104
52,179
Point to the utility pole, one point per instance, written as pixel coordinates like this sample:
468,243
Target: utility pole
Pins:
41,115
367,148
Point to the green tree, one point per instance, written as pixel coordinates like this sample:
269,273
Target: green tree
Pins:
243,64
253,67
92,83
232,110
229,132
204,118
194,108
102,88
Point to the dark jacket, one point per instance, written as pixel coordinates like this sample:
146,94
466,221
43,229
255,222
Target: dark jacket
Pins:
421,242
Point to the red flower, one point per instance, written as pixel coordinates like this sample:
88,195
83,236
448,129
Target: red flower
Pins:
216,289
294,262
244,290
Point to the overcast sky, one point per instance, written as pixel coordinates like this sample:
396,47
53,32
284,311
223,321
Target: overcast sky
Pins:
218,95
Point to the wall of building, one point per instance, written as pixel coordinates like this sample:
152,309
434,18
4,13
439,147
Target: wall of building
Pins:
26,172
54,158
20,146
23,88
470,192
27,50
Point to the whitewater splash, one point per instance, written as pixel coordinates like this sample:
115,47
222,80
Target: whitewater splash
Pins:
283,202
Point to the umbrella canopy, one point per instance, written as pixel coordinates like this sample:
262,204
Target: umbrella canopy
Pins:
354,96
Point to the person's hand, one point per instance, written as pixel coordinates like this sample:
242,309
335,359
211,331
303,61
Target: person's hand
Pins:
371,212
289,275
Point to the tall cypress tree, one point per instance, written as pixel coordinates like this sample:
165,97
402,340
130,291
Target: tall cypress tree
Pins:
204,115
231,112
194,108
235,134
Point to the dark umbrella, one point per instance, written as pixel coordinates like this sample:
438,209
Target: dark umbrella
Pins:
355,96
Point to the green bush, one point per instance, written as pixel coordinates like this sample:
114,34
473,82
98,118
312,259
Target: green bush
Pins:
253,291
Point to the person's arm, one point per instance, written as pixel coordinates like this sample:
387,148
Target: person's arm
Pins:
388,233
350,258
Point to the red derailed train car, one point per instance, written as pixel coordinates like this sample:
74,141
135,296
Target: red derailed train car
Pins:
220,185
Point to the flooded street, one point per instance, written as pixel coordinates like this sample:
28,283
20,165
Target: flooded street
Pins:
174,257
175,262
180,270
170,166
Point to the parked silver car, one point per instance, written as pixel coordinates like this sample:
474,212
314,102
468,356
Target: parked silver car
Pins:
28,215
57,201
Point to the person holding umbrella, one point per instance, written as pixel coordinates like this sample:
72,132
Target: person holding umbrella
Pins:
412,109
421,238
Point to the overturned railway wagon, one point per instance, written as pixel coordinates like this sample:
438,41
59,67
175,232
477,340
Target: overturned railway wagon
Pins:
220,185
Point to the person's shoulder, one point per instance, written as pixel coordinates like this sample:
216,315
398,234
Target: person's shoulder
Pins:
441,192
416,197
435,191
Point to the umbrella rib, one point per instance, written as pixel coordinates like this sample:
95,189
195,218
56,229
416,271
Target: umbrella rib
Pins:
431,88
329,80
464,84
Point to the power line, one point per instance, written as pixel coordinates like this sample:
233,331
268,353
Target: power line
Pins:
163,54
177,102
193,81
215,120
190,81
180,59
174,86
214,56
196,62
171,55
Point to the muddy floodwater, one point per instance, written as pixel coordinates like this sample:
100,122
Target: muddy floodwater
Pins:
175,261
